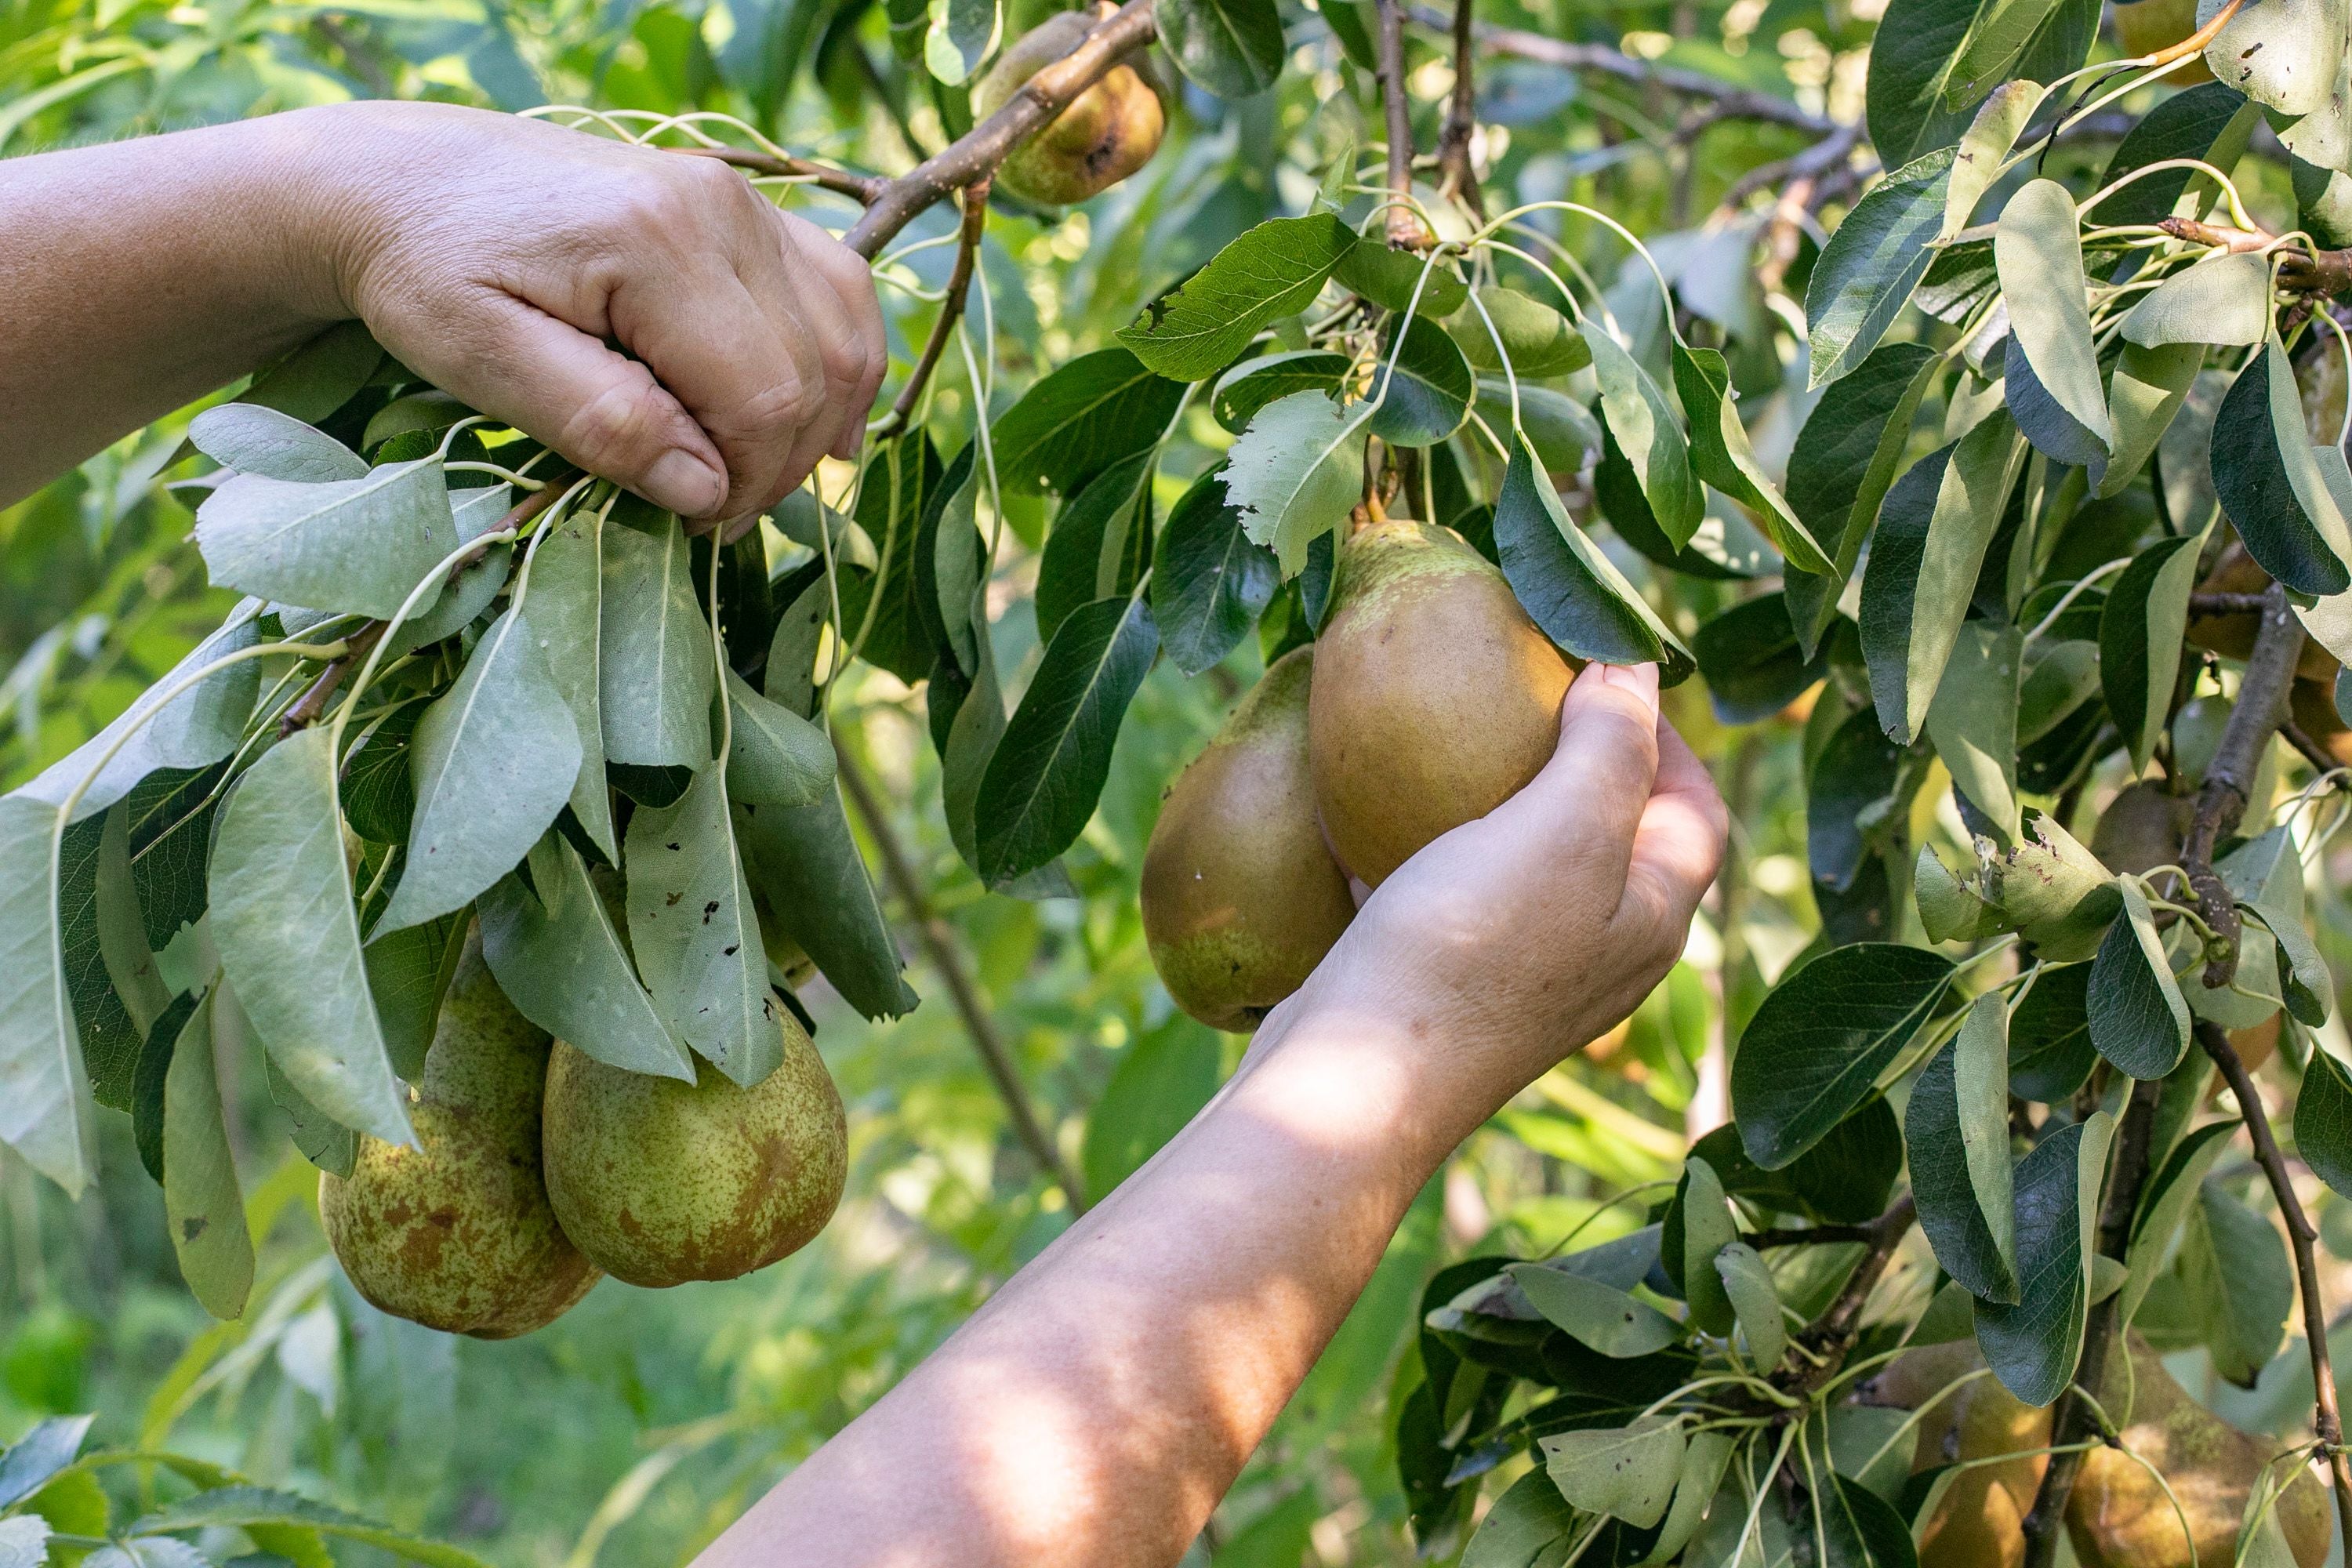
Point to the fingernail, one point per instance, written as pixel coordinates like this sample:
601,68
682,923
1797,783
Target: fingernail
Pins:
1642,679
683,483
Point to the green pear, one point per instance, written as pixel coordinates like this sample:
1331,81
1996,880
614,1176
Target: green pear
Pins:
457,1232
660,1182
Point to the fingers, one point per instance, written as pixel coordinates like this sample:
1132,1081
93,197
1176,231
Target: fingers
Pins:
599,409
864,357
1678,846
1593,789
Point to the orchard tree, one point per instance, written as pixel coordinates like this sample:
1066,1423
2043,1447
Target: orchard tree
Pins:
1990,448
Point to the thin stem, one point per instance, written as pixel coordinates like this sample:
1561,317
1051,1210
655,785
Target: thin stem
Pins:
941,946
1833,1333
862,188
2261,708
975,220
2327,1419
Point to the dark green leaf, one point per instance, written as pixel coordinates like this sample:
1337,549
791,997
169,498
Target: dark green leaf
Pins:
2032,1346
2270,483
1814,1050
1250,386
1570,589
1429,396
1390,280
1996,36
1208,581
1232,47
1536,340
1047,772
2164,1203
2140,629
1972,720
1875,259
1911,54
1848,453
1099,544
1720,453
1642,423
1272,271
2323,1122
813,882
2234,1266
2187,124
2139,1020
409,973
1080,420
2050,1049
1848,793
1749,658
1956,1129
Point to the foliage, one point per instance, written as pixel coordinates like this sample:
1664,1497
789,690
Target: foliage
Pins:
1968,417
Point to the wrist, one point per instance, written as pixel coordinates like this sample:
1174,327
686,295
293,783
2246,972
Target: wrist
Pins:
1344,1064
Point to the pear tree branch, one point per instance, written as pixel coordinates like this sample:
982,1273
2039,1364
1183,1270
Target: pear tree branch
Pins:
975,219
2261,708
1458,178
1405,227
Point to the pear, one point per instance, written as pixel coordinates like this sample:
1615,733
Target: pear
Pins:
2142,828
661,1181
2144,26
1435,699
2231,635
457,1232
1108,133
1240,898
2119,1516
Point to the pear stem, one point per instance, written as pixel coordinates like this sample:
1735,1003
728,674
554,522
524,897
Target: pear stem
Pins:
940,947
2328,1418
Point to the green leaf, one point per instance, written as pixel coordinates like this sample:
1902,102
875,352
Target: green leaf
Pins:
357,546
1931,545
2148,388
1705,1460
1295,473
127,966
1209,582
1626,1472
1755,1301
775,757
1720,453
2234,1266
289,940
1099,542
1749,658
1572,591
2037,251
1856,1528
1642,423
553,948
1815,1047
696,938
1872,263
1536,340
654,676
1957,1129
1561,430
25,1540
1700,1226
2323,1120
1402,280
563,615
2268,477
1912,52
1161,1081
1080,420
203,1207
243,1506
962,33
2210,122
1972,719
1996,40
1595,1313
495,760
2165,1204
1048,770
2224,299
2283,54
1272,271
1429,395
321,376
321,1140
166,727
1232,48
45,1099
904,485
2032,1346
252,440
1999,121
812,880
2141,631
1250,386
2050,1050
1527,1525
1850,791
2138,1019
1845,457
42,1454
408,974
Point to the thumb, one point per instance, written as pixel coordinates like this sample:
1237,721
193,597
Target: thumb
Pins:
598,408
1600,777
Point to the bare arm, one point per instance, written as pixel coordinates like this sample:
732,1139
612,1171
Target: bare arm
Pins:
498,258
1094,1411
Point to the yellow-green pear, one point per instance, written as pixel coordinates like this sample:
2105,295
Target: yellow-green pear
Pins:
660,1182
1435,699
1107,133
457,1232
1240,898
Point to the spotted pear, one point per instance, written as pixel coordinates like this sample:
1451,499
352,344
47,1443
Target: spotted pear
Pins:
1435,699
456,1233
660,1182
1108,133
1240,898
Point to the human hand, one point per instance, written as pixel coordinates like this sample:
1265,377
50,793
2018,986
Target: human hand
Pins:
1518,938
501,259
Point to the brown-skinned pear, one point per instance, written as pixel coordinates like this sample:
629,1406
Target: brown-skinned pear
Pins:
1435,698
1109,132
456,1233
660,1182
1240,898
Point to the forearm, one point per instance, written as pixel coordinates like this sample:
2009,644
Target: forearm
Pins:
1101,1405
140,275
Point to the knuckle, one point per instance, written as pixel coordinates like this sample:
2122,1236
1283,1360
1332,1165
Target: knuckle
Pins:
784,403
620,421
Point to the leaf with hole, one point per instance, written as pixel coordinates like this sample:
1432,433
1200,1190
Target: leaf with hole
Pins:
1295,473
696,937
